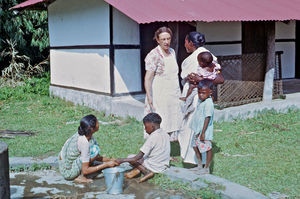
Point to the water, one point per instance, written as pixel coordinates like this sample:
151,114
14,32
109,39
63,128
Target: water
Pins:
50,184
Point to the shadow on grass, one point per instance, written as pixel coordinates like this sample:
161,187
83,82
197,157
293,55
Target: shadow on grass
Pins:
215,149
175,152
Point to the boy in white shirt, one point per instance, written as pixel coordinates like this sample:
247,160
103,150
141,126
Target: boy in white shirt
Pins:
154,155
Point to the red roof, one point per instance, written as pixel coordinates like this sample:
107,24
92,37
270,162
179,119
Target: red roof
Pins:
32,3
147,11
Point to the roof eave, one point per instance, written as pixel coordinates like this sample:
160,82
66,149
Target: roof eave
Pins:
38,6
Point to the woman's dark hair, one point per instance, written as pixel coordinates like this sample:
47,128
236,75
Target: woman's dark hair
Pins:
87,124
161,30
152,118
197,38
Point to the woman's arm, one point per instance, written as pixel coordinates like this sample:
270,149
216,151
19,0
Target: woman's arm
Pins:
196,78
205,125
86,169
148,85
102,159
219,79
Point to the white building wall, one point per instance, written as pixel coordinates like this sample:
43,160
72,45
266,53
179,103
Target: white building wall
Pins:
85,69
77,22
127,70
286,31
125,30
222,31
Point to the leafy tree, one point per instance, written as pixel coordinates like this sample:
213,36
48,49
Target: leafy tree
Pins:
28,29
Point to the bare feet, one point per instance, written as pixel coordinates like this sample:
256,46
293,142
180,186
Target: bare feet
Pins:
82,179
132,173
205,171
183,99
174,159
198,168
146,177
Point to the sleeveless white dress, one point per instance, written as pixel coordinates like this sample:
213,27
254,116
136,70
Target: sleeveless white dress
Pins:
166,92
165,95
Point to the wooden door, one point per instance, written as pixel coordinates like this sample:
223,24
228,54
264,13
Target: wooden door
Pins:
254,41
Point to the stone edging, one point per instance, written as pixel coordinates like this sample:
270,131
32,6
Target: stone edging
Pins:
228,189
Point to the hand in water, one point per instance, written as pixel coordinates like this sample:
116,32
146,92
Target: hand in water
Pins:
112,164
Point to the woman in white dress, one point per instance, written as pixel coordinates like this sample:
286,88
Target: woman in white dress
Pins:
194,42
162,84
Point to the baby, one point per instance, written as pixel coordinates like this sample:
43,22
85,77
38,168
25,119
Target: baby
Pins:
206,70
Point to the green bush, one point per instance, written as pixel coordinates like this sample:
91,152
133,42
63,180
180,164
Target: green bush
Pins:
38,85
30,86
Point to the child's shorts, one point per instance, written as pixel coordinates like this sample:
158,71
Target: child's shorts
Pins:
203,146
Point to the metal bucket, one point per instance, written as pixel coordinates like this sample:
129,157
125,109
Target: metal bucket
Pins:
114,178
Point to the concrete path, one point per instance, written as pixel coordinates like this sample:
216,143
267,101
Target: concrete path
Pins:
135,108
227,188
28,161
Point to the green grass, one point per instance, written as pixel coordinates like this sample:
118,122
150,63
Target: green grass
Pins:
272,141
268,146
178,186
34,167
48,118
261,153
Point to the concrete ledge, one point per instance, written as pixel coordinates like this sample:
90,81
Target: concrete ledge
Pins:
227,189
251,110
133,105
29,161
121,106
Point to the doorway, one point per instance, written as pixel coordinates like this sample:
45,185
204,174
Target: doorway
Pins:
254,48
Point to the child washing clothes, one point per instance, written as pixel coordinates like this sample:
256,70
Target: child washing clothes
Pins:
154,155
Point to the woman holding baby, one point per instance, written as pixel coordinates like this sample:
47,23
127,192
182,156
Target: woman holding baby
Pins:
194,42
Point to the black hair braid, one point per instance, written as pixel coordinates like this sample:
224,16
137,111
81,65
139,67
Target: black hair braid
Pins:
197,38
87,123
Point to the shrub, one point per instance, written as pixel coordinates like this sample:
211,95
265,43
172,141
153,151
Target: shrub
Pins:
30,86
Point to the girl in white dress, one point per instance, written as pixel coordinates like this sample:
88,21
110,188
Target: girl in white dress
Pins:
162,84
